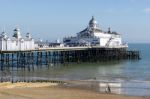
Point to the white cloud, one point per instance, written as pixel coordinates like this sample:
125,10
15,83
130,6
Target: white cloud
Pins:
146,10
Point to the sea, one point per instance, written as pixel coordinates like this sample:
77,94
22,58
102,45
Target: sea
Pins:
127,77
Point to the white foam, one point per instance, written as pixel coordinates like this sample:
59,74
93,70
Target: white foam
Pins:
110,84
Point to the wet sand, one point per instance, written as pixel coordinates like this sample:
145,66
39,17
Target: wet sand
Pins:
52,91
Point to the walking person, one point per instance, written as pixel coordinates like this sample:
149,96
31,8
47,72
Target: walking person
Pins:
108,89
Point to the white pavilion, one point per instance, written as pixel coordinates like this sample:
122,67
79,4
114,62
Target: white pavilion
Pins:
94,36
16,42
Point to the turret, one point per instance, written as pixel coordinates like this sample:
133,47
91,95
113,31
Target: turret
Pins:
4,35
28,35
17,33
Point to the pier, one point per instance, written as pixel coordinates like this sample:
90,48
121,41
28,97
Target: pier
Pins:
48,56
29,60
92,44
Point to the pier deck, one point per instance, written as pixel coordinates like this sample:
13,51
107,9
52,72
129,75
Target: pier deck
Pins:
65,48
63,55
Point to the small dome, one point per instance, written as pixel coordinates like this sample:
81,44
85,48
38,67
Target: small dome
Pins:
92,21
4,34
28,35
16,29
17,33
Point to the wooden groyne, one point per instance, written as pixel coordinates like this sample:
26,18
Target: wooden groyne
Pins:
21,59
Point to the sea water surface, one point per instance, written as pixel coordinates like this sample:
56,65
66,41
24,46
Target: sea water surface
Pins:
128,77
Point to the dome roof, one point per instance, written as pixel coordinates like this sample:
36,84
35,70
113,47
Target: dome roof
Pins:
16,29
92,21
17,33
28,35
3,34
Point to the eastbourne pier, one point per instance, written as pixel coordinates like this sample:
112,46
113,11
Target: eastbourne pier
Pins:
90,45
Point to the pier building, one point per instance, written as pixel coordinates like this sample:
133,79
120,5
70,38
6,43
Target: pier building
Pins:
16,42
93,35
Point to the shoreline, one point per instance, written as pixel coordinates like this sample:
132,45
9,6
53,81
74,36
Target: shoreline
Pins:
49,90
9,85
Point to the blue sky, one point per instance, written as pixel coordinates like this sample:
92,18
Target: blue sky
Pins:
53,19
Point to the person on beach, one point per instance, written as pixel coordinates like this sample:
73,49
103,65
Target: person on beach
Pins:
108,90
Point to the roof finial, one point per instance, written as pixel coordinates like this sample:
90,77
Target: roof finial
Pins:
93,17
109,31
